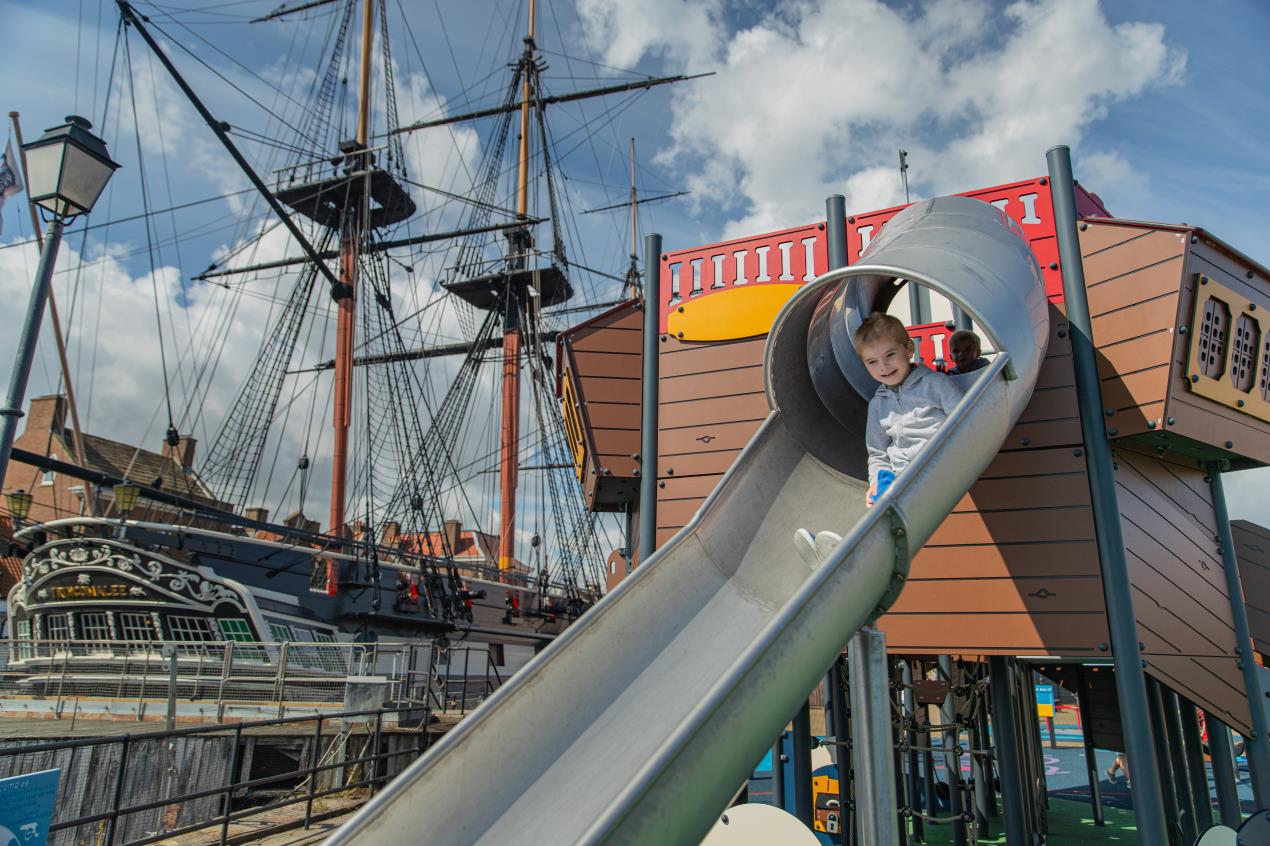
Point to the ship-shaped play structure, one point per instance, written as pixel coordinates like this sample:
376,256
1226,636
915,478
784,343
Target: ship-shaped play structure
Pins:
1067,519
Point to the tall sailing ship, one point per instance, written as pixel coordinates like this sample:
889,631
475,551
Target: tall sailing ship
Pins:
408,550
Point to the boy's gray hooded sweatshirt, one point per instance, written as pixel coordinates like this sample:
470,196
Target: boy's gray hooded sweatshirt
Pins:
904,418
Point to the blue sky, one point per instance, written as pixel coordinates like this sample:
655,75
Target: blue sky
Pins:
1165,107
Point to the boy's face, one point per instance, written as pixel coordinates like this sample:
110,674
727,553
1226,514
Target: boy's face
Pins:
887,361
964,352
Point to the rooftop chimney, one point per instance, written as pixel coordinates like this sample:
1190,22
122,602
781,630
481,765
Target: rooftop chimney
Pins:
48,414
182,453
451,529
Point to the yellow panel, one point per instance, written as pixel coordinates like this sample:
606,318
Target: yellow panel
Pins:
728,315
575,432
1221,389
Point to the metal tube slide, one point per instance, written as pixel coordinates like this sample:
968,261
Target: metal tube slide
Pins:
638,723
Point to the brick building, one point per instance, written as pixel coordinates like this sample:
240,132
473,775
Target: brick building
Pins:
57,495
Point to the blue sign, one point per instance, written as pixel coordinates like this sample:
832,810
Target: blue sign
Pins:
1044,700
26,808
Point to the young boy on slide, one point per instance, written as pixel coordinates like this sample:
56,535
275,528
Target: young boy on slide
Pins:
909,406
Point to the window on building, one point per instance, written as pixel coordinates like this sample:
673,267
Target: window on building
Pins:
58,627
236,629
281,632
320,575
95,625
189,630
305,651
24,633
49,476
137,627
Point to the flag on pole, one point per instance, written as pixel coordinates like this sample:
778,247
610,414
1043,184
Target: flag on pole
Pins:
9,184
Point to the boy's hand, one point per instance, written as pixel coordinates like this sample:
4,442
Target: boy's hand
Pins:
871,495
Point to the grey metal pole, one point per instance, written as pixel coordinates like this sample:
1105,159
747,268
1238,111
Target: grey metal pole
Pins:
1006,742
989,765
910,715
1178,763
778,771
1173,823
1148,800
842,741
981,772
1257,742
871,731
169,652
800,756
836,249
1200,796
1223,771
11,411
952,761
836,231
648,411
1091,755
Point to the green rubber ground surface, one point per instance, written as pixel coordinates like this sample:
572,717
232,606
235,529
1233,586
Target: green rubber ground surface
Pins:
1070,823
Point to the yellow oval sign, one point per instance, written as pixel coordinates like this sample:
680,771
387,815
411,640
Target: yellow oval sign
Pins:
729,315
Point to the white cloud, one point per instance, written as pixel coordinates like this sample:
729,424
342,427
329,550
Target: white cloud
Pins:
682,31
817,97
1112,175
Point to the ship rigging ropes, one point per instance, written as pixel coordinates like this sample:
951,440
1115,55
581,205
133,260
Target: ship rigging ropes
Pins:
425,433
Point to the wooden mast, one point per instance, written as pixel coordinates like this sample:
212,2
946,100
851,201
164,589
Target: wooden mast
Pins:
345,294
509,453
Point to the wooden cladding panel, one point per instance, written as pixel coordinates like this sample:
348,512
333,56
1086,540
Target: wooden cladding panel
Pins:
995,634
1044,595
712,403
1179,593
601,365
1062,559
1013,570
1199,418
1252,547
1132,275
1216,685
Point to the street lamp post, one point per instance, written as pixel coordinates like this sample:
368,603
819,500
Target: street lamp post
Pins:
67,169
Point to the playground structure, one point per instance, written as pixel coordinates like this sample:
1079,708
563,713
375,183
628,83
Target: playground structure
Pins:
1068,515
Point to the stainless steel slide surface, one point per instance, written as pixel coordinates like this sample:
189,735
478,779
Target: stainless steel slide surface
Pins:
638,724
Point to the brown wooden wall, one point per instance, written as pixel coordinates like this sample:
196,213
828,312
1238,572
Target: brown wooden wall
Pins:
1175,569
1197,417
1014,569
1132,274
1141,279
602,358
712,402
1252,545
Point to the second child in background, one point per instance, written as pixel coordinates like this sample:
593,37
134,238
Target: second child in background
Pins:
965,348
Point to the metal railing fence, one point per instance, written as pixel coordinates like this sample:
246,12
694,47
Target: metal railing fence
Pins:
227,673
127,806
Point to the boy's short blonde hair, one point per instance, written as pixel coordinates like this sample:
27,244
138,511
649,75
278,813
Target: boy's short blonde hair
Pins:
881,327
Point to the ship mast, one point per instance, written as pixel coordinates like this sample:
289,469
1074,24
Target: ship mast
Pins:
509,451
345,293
